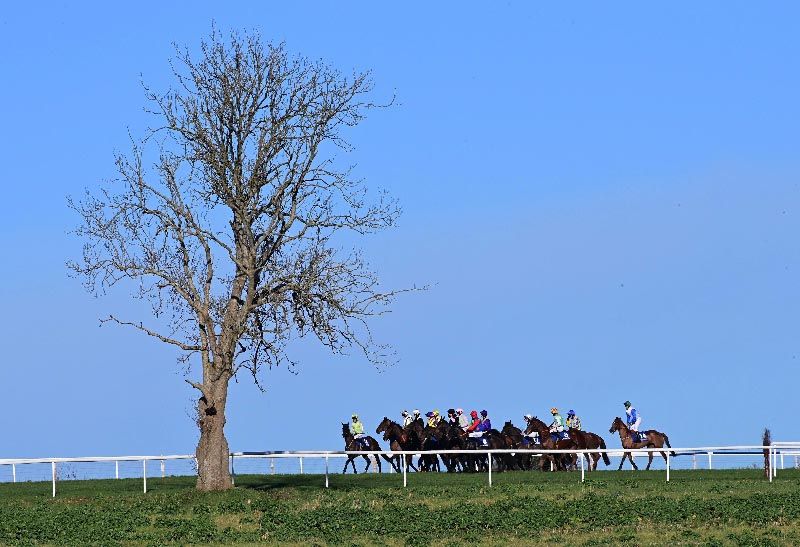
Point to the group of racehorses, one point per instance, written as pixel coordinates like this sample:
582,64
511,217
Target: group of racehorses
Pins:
418,437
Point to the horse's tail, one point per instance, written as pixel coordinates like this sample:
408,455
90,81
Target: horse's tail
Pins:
666,441
606,459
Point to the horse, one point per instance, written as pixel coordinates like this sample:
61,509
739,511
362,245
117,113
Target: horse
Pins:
514,439
585,440
451,437
494,441
416,432
399,439
559,461
430,440
655,439
352,445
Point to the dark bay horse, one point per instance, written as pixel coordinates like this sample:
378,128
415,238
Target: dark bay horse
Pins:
655,439
559,461
585,440
514,439
399,439
351,445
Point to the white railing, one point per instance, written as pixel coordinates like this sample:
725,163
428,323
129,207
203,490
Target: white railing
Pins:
774,452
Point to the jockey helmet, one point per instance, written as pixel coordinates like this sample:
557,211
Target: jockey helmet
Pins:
484,413
429,414
571,413
435,412
404,413
459,411
528,417
474,413
554,410
354,416
451,411
627,404
416,412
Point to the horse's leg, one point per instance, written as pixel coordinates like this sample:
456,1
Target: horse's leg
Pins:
664,455
389,459
633,463
624,455
649,460
366,458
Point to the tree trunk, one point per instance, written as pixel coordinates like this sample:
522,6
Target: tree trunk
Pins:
213,472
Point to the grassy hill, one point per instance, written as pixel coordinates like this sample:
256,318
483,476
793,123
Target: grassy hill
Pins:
736,507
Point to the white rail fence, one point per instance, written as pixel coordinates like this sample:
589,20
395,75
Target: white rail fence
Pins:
319,462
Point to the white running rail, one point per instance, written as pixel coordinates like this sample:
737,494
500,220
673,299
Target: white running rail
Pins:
774,453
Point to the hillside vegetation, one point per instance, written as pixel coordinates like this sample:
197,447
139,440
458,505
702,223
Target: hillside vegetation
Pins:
638,508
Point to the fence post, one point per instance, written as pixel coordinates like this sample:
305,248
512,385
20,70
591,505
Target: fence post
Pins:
163,470
490,468
326,471
709,459
116,469
14,472
53,465
301,465
774,462
771,463
694,461
233,472
405,471
144,476
583,476
667,465
272,466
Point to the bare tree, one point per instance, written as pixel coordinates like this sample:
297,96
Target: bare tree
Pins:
225,214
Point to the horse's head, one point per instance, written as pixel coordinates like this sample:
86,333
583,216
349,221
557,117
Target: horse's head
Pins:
535,424
383,426
345,430
508,427
616,425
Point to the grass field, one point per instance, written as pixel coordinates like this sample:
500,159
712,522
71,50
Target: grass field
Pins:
725,507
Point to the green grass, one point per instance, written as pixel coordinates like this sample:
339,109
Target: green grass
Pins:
724,507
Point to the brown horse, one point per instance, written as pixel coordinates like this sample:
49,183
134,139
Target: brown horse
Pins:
654,439
351,445
514,439
585,440
559,461
399,439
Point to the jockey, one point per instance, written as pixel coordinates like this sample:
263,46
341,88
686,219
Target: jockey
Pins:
472,428
486,423
415,416
463,421
451,416
633,418
573,421
433,418
533,435
407,418
557,427
357,428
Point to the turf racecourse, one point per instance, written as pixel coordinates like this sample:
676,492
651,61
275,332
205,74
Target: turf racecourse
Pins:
724,507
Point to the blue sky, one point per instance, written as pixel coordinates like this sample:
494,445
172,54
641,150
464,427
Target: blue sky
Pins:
604,200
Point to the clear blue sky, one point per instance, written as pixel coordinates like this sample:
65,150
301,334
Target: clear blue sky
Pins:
605,199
